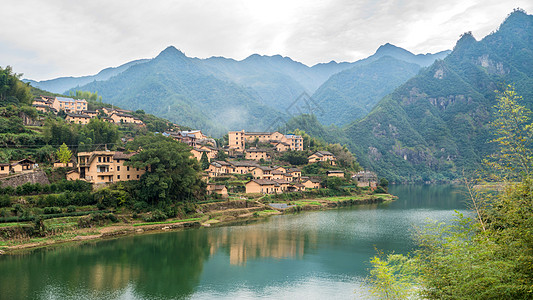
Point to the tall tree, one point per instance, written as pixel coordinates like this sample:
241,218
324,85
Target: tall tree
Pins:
64,154
204,161
172,174
12,90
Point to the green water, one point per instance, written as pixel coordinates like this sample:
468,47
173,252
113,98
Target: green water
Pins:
312,255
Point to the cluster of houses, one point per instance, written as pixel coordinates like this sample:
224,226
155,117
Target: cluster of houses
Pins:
76,110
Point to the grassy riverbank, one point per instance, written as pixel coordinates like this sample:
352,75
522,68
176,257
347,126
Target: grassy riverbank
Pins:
16,236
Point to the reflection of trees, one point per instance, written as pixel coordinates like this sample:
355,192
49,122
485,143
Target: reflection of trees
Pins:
158,265
256,242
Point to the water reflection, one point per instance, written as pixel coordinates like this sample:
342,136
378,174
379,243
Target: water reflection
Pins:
317,254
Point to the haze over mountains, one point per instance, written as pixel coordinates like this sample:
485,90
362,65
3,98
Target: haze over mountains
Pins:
252,93
408,117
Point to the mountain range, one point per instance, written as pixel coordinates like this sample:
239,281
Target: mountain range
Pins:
436,124
408,117
219,94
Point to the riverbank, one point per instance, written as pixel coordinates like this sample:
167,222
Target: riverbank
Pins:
209,214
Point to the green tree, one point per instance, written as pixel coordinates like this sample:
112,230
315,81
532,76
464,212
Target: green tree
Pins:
12,90
99,132
295,157
64,154
392,276
489,256
204,161
221,155
172,176
514,135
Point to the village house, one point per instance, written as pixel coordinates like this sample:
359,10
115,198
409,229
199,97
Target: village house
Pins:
104,167
311,183
187,139
24,165
366,178
4,169
108,111
41,108
262,186
120,118
295,172
90,113
242,167
261,172
218,168
324,156
198,135
257,154
281,146
217,189
69,105
335,173
238,139
198,152
78,118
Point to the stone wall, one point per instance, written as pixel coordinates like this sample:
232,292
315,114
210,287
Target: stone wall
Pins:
37,176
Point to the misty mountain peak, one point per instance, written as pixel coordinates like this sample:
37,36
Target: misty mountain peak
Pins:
171,51
389,49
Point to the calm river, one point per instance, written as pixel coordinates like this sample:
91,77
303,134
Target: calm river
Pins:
312,255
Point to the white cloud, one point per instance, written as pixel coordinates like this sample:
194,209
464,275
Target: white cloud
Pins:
47,39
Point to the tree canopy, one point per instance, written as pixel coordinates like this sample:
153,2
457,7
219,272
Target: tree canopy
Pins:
172,174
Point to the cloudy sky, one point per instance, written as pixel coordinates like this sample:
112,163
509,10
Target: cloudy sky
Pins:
52,38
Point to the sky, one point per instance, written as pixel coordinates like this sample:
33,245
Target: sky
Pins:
54,38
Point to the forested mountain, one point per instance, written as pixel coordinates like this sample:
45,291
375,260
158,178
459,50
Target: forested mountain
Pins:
277,80
351,94
246,87
436,124
177,88
62,84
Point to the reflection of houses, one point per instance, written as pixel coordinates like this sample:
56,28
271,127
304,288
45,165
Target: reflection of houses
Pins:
238,140
324,156
366,178
278,243
104,167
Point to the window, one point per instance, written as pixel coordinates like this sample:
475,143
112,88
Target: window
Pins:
99,159
137,176
118,169
128,176
118,176
127,169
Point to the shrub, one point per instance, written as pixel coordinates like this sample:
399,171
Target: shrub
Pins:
156,216
71,208
5,201
52,210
